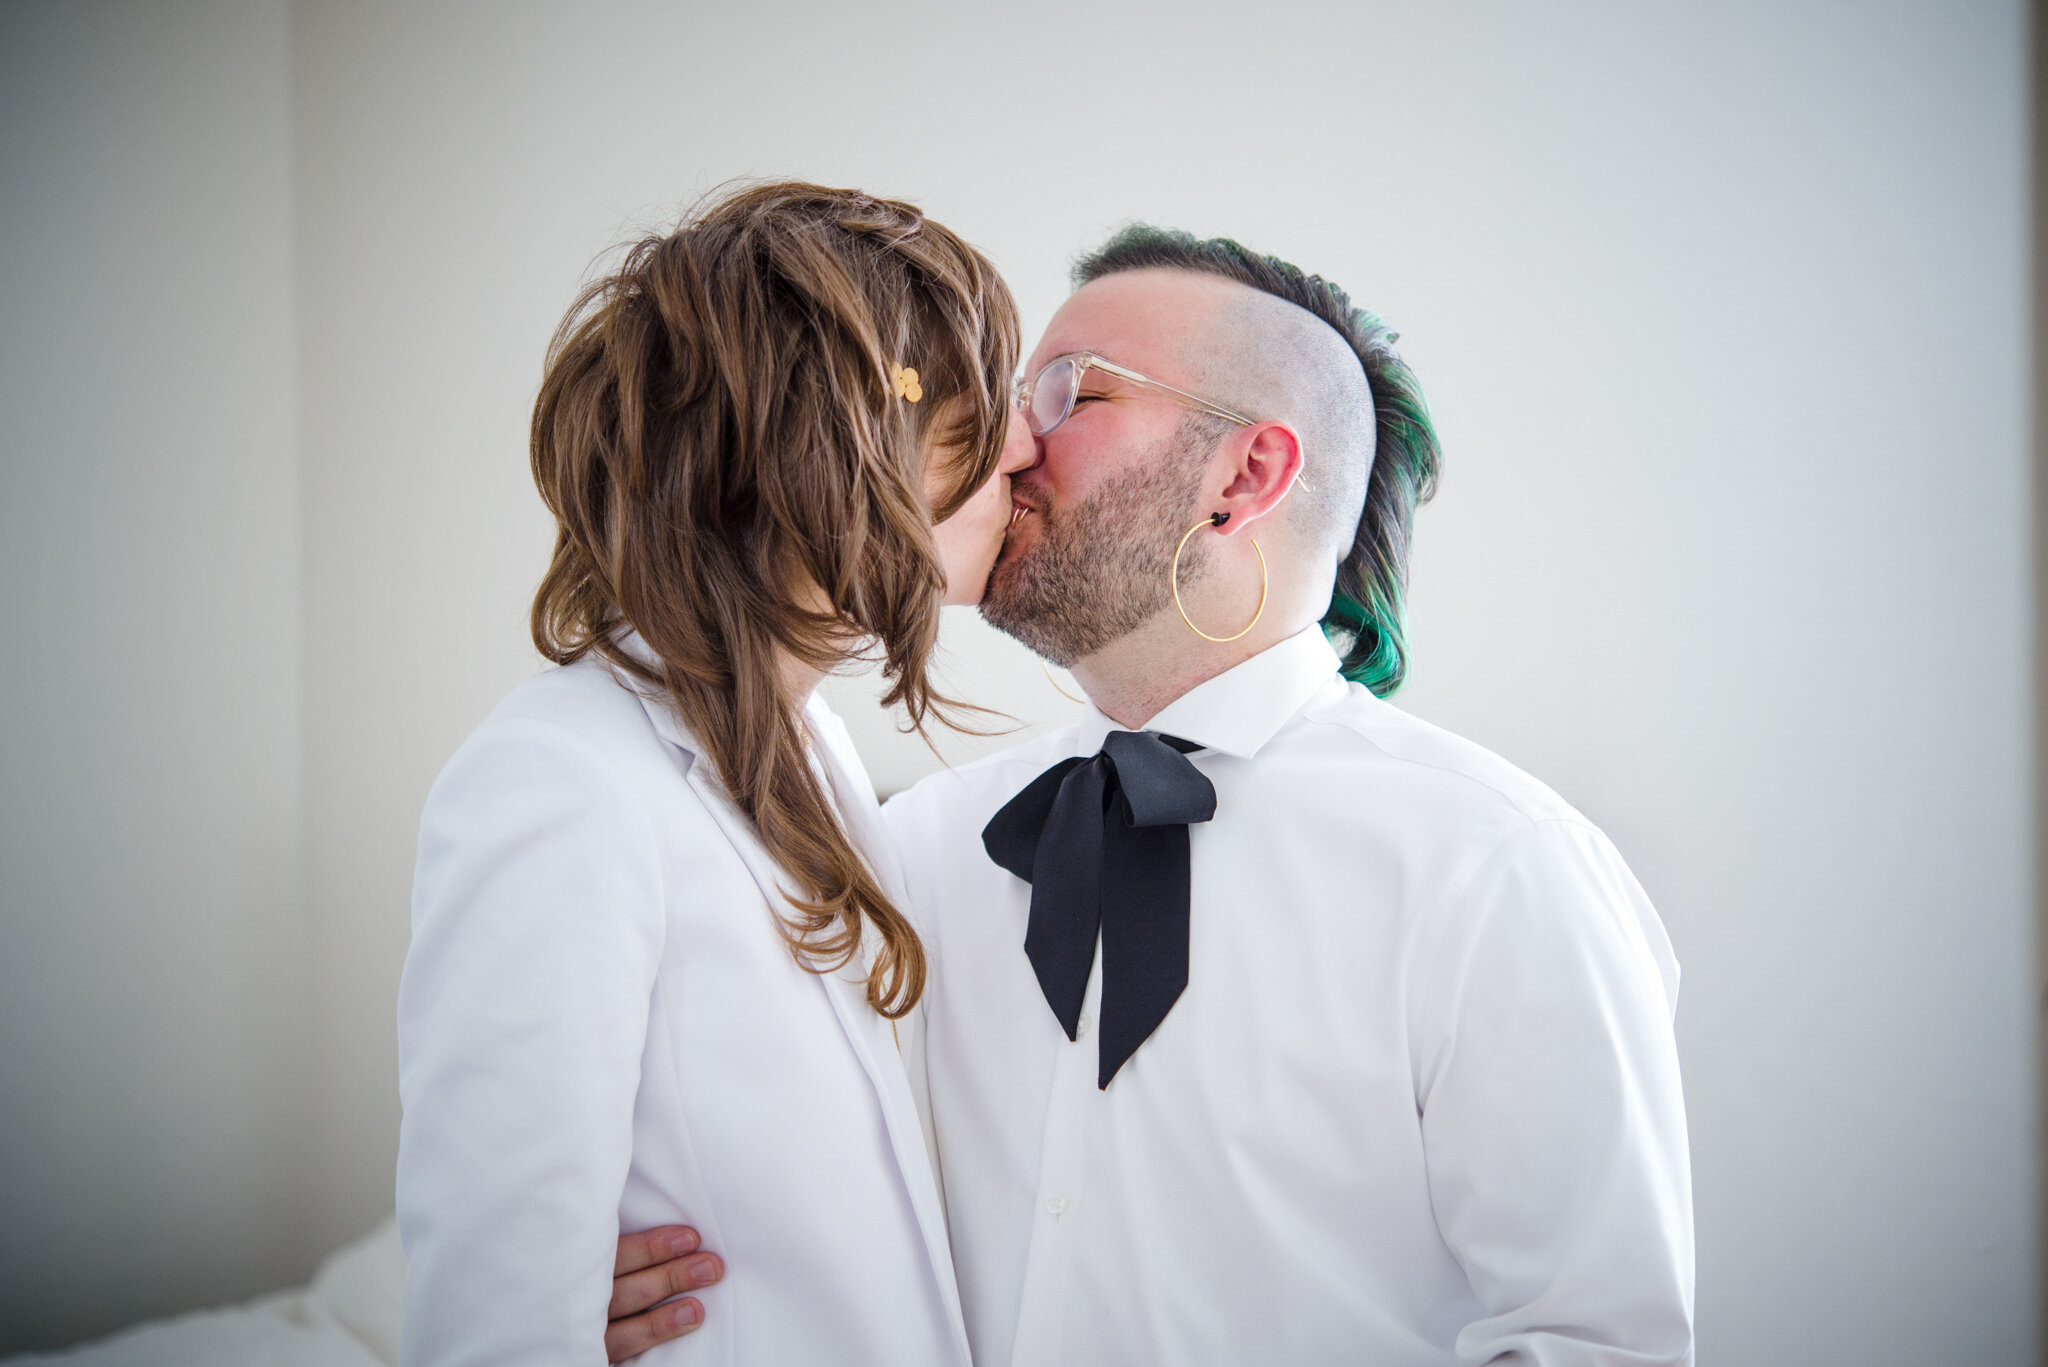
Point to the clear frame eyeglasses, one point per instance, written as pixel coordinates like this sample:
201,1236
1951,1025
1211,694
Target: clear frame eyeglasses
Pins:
1048,398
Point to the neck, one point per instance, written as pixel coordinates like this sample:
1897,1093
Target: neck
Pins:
801,679
1137,677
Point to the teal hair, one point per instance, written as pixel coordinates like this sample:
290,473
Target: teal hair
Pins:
1367,620
1368,616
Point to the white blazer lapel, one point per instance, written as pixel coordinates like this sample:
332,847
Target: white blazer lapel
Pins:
846,989
863,818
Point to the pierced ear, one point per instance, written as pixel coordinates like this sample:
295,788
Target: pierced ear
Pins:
1251,486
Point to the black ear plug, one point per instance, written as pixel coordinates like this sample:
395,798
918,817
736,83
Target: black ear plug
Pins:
1218,519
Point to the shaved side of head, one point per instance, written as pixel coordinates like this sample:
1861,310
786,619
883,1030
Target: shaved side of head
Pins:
1293,346
1267,357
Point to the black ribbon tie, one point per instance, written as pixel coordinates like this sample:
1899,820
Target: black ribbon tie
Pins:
1103,841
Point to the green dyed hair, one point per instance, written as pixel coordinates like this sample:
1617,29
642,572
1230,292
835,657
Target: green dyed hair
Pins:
1367,620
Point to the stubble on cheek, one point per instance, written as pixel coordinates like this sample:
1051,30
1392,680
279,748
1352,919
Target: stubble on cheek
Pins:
1099,569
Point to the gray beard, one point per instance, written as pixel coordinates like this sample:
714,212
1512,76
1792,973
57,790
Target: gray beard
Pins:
1101,569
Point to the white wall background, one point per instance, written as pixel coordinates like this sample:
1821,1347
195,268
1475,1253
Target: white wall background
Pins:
152,946
1721,307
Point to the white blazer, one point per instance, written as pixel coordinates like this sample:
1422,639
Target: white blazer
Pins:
601,1028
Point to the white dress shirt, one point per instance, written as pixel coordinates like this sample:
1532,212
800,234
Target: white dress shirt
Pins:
1419,1103
601,1028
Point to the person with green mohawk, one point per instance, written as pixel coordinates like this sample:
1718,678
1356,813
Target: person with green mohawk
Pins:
1267,1023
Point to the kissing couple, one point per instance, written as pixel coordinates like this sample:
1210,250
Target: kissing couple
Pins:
1246,1020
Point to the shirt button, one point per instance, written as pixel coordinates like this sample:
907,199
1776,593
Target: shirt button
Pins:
1057,1205
1083,1026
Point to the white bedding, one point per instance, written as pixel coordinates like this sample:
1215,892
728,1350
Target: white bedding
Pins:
347,1316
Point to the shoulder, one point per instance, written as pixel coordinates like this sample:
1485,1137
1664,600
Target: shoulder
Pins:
967,795
1515,863
583,707
1453,779
935,825
572,734
586,699
1471,830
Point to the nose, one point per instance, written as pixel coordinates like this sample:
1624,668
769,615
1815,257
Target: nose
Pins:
1020,448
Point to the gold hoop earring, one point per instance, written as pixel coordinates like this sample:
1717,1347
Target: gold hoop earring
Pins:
1056,683
1173,576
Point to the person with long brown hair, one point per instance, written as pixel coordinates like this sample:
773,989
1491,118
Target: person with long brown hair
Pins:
658,942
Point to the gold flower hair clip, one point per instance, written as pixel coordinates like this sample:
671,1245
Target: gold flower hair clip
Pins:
907,386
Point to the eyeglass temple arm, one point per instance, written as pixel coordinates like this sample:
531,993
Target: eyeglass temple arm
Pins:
1216,409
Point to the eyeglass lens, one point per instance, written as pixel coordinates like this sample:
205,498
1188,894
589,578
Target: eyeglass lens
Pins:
1052,396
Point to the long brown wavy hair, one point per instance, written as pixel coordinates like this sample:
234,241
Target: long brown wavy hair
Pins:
738,472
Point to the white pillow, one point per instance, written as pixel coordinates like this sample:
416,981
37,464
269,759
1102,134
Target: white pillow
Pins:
347,1317
361,1288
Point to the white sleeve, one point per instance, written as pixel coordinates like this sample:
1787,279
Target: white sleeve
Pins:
1553,1124
538,923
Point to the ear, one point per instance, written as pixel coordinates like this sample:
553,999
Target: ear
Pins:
1262,465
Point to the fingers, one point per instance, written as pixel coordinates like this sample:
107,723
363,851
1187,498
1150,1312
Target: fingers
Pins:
651,1246
631,1337
636,1291
653,1266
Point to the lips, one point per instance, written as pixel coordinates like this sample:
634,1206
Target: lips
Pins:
1014,535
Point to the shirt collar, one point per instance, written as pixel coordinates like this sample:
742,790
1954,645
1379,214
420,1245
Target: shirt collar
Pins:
667,724
1242,708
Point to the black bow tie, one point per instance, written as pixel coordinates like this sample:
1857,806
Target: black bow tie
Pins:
1103,841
